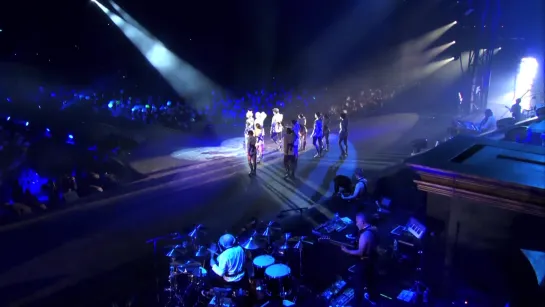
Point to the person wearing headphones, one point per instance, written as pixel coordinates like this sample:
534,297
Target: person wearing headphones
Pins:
230,263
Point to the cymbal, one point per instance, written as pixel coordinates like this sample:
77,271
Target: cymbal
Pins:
285,246
251,244
300,240
197,232
202,251
269,231
175,250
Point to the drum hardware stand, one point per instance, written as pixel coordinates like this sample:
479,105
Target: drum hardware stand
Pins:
419,287
154,241
299,245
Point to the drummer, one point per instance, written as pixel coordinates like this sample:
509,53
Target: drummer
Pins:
230,263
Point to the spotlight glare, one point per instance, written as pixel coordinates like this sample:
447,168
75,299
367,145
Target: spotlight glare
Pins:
451,59
453,42
455,22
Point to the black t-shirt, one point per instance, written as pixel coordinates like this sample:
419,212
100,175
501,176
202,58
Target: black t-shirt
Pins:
516,110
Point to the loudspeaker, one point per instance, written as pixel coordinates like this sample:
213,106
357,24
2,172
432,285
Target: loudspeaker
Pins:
505,122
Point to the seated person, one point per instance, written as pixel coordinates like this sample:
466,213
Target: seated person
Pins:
360,190
488,123
230,263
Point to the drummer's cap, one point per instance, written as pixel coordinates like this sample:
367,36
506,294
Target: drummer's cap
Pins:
227,240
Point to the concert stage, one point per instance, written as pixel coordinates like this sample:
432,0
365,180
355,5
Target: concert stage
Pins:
93,254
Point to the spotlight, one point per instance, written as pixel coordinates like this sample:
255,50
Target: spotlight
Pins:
453,42
451,59
70,136
499,48
8,118
26,124
455,22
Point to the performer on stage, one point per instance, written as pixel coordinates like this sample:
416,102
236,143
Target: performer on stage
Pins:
343,136
251,151
516,110
260,118
276,128
302,132
290,153
260,141
249,126
318,134
326,131
260,134
365,275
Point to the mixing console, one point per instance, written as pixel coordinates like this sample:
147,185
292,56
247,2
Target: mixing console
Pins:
335,224
344,299
333,290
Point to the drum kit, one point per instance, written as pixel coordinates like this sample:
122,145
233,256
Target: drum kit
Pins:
269,254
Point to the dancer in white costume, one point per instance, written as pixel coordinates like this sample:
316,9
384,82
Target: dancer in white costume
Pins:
259,133
260,118
302,132
250,123
276,128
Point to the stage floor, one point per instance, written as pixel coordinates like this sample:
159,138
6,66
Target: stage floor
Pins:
201,182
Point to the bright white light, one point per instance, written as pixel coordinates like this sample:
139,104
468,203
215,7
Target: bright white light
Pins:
453,42
525,80
455,22
187,81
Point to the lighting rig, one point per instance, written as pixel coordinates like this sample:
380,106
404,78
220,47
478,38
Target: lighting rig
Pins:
479,33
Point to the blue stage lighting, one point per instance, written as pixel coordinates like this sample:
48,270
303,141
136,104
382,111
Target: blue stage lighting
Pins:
70,136
26,124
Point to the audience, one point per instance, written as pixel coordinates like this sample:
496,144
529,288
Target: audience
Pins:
24,192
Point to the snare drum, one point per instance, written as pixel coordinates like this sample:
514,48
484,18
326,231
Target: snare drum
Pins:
260,264
278,280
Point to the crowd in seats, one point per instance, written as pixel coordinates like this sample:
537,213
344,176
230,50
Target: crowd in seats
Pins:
220,105
32,183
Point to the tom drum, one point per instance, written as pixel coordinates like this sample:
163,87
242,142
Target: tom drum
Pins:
278,280
261,263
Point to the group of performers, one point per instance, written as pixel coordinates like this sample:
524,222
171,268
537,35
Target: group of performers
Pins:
295,138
